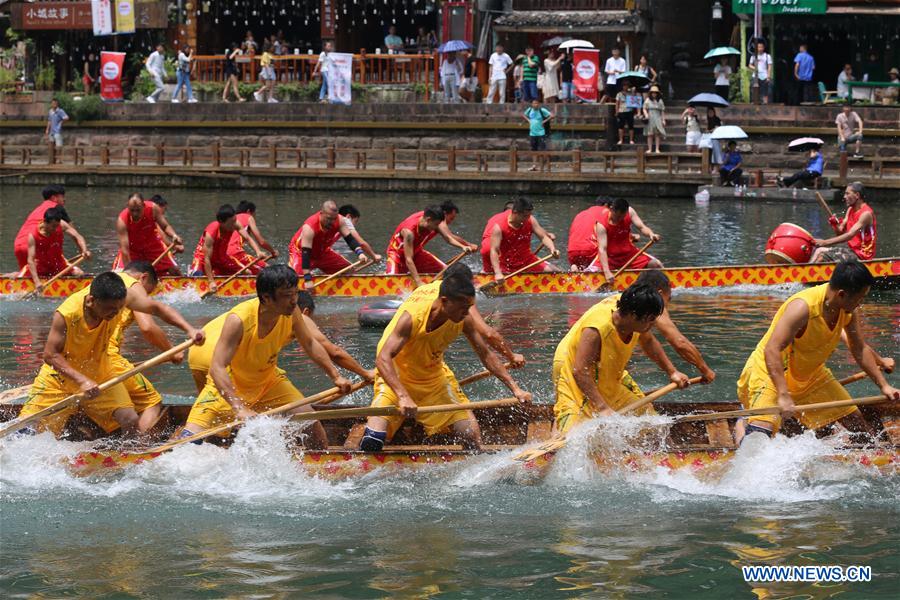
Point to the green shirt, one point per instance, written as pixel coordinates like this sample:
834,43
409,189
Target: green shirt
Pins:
530,68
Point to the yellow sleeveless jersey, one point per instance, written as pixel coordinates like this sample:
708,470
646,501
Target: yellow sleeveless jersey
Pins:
85,349
421,359
200,357
805,355
124,320
614,353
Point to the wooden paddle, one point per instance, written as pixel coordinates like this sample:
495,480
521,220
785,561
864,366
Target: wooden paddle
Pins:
164,253
72,264
326,394
393,411
10,396
559,441
74,399
824,205
775,410
219,286
452,261
362,263
493,283
608,284
480,375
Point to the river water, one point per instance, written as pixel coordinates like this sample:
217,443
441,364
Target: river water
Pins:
207,523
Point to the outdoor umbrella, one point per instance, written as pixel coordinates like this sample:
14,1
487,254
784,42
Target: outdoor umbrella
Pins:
575,44
454,46
804,143
635,77
554,41
722,51
708,100
729,132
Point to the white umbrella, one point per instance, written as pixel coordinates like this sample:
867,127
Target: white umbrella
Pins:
575,44
729,132
804,143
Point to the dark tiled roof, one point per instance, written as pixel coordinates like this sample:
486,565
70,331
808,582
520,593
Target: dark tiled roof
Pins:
564,21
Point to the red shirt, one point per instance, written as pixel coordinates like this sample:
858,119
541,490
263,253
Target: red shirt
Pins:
582,236
144,242
48,251
236,243
618,237
220,245
512,241
420,237
34,218
863,243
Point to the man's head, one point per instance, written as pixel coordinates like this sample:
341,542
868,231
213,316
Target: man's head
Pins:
850,283
521,211
536,104
245,206
328,214
225,217
305,303
657,280
144,272
639,307
848,69
732,146
615,52
457,296
894,74
53,217
529,51
802,47
459,269
54,103
160,47
433,216
847,108
276,287
56,193
760,47
328,46
451,211
351,212
392,30
854,193
106,296
619,209
135,206
498,48
161,202
508,205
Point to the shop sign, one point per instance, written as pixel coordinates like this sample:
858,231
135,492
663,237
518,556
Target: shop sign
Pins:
781,7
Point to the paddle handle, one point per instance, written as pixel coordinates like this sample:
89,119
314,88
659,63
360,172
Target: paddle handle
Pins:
775,410
164,253
491,284
452,262
655,395
627,264
209,293
393,411
352,266
824,204
481,375
74,263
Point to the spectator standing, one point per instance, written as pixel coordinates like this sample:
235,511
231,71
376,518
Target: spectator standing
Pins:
615,66
537,117
517,77
266,75
323,69
843,90
693,132
183,75
655,116
761,65
451,72
232,72
55,118
849,129
715,147
528,83
567,89
499,63
722,73
872,69
644,68
393,42
470,76
730,173
90,73
813,170
889,95
425,41
249,46
804,66
156,66
551,76
625,114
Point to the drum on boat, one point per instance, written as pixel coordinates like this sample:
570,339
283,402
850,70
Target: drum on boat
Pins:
789,244
377,314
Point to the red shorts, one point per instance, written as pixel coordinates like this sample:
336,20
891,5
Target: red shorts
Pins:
616,262
582,260
514,263
162,267
425,262
328,262
229,266
46,268
21,256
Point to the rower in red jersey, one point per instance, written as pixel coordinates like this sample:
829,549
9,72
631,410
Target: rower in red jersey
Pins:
54,196
406,250
506,241
211,255
583,235
245,213
45,248
858,228
139,228
615,242
311,246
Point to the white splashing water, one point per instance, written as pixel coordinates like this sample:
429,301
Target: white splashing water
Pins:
188,295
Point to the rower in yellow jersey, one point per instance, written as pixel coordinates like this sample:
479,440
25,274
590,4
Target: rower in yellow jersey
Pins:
244,377
409,362
589,364
141,280
787,368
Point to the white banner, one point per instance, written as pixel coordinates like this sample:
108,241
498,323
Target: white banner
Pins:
340,77
101,16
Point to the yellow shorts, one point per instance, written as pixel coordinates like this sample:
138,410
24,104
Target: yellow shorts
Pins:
756,390
200,357
211,409
50,387
572,408
142,393
444,390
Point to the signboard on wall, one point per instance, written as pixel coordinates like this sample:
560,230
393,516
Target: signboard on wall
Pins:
101,17
78,15
781,7
328,19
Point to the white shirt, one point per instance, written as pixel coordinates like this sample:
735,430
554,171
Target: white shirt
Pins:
156,64
499,63
325,62
614,64
722,72
762,62
451,67
842,89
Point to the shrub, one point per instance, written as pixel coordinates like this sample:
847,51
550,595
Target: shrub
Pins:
44,77
88,108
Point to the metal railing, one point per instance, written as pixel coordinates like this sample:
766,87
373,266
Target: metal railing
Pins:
573,4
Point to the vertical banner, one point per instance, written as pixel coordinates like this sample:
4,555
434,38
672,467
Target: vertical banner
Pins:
111,64
124,16
328,11
340,78
101,17
586,73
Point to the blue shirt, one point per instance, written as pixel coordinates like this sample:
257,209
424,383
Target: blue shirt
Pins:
536,118
56,119
815,163
806,64
732,159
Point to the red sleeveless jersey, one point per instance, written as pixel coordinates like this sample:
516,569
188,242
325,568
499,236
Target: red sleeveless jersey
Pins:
420,237
236,243
582,237
618,237
48,251
863,243
512,241
220,245
143,235
34,218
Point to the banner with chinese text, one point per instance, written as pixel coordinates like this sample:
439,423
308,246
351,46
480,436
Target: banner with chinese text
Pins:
124,16
340,77
101,17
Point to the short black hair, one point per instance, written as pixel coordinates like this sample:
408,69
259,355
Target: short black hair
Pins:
52,190
348,210
144,267
434,213
159,200
273,278
225,212
54,213
459,269
457,287
851,276
305,301
136,195
620,205
642,301
449,206
521,205
602,200
655,279
108,286
245,206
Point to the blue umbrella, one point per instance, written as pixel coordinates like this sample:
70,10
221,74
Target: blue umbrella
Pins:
708,100
454,46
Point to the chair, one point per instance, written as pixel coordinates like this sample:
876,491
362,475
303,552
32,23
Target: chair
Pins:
826,96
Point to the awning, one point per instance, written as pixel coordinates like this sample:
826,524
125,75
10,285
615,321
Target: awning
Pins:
574,21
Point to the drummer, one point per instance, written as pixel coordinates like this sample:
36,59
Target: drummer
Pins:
858,229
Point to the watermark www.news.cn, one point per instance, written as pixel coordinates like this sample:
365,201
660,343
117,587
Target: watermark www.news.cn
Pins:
811,573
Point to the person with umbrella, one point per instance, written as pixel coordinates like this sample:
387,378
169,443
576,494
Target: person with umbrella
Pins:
625,112
730,172
722,73
813,169
693,132
451,72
